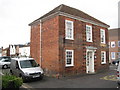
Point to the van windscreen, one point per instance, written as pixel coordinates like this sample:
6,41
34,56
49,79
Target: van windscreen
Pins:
28,64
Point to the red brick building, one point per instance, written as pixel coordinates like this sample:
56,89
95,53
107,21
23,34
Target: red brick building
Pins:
114,44
67,41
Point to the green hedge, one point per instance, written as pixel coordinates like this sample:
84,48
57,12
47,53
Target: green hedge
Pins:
10,81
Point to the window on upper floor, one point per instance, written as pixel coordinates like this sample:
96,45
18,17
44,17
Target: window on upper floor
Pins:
69,58
103,57
88,33
69,32
112,55
102,34
118,43
112,44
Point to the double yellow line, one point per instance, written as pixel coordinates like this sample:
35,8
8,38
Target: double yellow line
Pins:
110,77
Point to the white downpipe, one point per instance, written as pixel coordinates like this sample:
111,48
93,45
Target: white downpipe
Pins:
40,44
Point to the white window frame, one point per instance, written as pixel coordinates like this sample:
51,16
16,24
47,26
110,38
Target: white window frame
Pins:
109,44
102,35
72,58
118,43
113,55
109,56
113,42
89,33
118,54
104,56
69,34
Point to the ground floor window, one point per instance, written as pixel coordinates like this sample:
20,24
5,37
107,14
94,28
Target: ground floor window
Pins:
118,54
69,58
103,57
112,55
118,43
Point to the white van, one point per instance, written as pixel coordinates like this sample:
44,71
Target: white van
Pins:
26,68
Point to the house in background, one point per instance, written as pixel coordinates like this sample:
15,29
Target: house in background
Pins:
67,41
24,51
5,52
114,44
10,51
13,50
21,50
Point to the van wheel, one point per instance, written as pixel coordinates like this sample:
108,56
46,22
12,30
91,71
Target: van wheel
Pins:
11,72
23,78
41,77
5,66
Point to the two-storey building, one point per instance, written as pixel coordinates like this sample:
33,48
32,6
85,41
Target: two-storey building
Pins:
67,41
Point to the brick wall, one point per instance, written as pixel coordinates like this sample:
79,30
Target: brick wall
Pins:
79,46
50,45
54,45
114,37
35,42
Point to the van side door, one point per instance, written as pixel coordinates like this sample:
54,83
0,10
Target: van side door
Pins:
17,71
12,66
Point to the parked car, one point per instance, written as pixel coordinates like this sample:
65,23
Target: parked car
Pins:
118,75
5,62
116,61
26,68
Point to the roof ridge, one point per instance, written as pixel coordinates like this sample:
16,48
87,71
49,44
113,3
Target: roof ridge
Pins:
60,7
83,13
72,11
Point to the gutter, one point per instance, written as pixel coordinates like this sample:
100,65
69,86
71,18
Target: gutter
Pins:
40,43
70,16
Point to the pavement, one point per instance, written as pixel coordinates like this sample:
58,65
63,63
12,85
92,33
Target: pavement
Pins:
100,80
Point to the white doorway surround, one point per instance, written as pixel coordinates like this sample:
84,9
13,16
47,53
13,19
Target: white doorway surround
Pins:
90,60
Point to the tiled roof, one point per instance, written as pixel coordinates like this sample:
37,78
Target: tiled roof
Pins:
72,11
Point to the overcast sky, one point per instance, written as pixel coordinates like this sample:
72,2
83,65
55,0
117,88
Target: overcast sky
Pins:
15,15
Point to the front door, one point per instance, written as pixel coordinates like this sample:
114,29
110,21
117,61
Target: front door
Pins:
90,61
